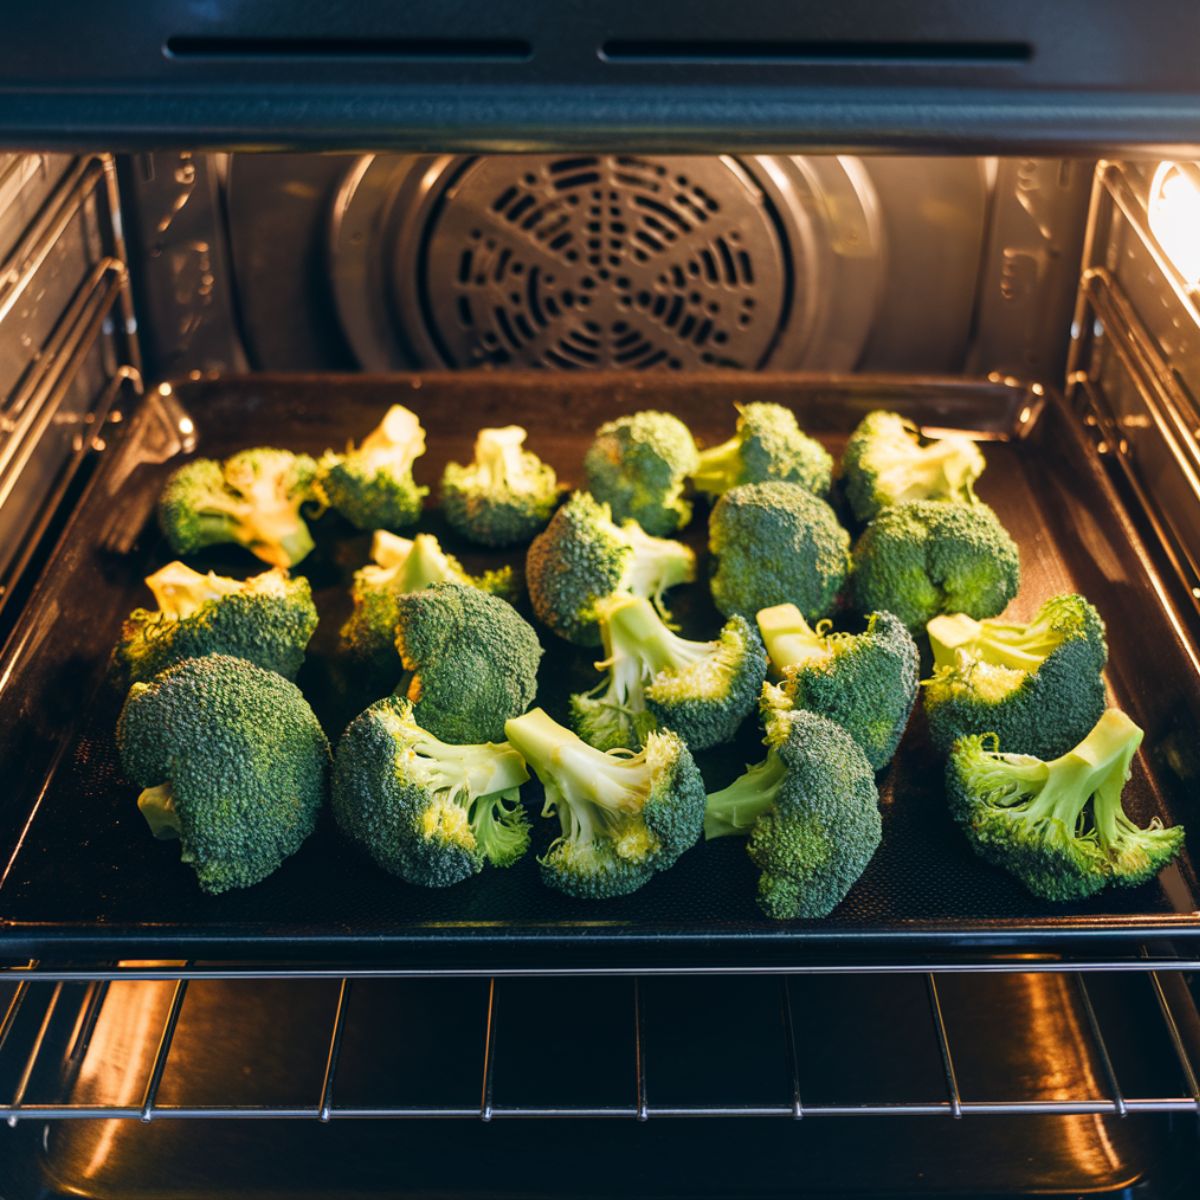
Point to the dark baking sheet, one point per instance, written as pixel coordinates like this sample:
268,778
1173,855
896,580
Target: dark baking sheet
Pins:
84,878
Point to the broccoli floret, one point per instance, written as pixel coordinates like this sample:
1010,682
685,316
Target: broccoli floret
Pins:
926,557
400,566
776,543
582,557
267,620
865,682
657,679
372,486
232,762
1037,685
253,499
624,816
768,445
1031,817
887,462
472,660
429,812
811,810
638,465
505,495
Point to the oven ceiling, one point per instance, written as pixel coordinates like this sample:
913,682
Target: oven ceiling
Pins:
1073,76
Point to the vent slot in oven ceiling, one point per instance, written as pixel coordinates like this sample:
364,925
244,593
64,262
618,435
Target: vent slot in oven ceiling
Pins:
591,262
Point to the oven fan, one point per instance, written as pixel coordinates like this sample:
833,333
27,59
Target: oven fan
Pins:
604,261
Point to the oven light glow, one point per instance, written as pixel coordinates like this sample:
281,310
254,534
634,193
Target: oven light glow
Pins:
1175,216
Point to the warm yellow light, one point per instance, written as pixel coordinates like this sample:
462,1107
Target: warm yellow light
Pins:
1175,216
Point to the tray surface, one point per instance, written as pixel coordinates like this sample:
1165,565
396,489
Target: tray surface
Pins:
85,876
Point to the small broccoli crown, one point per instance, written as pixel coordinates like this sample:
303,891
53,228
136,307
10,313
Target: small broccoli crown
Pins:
402,565
865,682
427,811
776,543
1031,817
372,485
582,557
925,557
656,679
267,620
811,810
1037,685
505,495
768,444
233,761
638,465
623,816
473,659
886,462
252,499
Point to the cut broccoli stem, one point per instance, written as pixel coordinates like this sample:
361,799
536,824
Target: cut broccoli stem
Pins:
157,805
498,458
395,444
1022,647
638,636
720,466
426,563
735,809
789,639
919,473
181,592
654,565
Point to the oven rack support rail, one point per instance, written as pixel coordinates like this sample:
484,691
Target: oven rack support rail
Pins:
1174,1003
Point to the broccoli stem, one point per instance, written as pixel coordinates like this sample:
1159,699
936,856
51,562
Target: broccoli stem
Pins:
736,808
655,564
157,805
788,637
719,467
395,444
1009,644
918,474
181,592
426,563
498,457
634,631
1114,751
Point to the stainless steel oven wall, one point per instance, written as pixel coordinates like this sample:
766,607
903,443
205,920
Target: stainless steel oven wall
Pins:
586,261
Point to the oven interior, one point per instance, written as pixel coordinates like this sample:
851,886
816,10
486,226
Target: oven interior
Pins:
318,1039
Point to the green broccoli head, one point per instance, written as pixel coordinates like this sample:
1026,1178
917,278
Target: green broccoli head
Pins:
473,661
768,445
811,811
1038,685
887,462
402,565
267,620
657,679
505,495
1032,817
623,816
427,811
926,557
582,557
232,762
372,486
776,543
253,499
865,682
638,465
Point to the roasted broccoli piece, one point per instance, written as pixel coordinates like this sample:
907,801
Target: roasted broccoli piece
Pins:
624,816
865,682
1037,685
776,543
267,620
505,495
472,661
1031,817
582,557
253,499
638,465
811,810
372,486
926,557
887,462
768,445
427,811
400,566
231,761
657,679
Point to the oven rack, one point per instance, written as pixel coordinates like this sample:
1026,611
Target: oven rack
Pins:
1072,1062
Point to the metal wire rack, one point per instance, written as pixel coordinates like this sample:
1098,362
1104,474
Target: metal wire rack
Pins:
1009,1043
